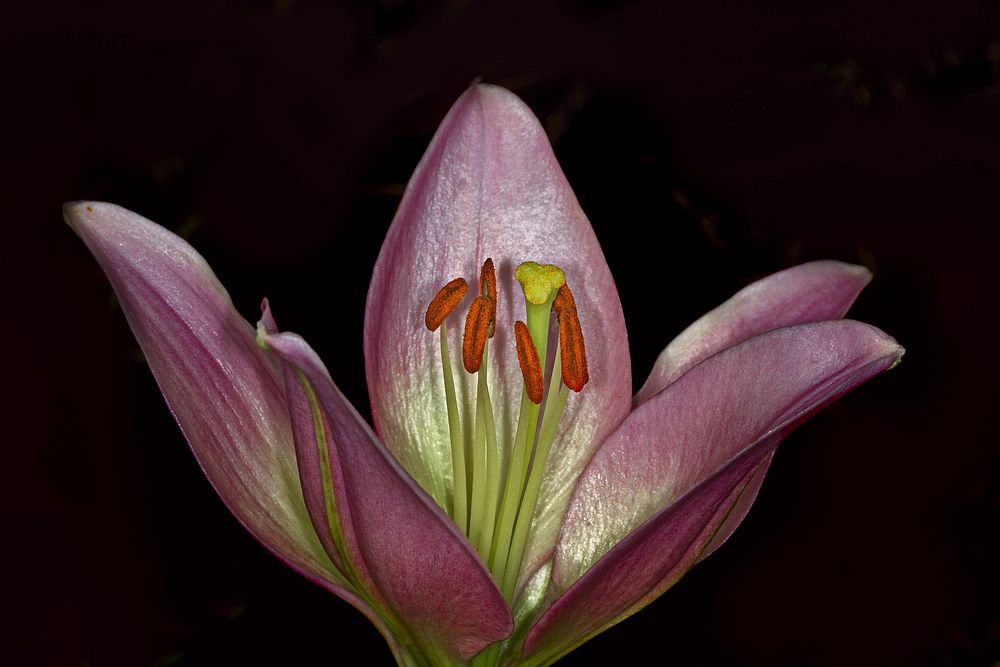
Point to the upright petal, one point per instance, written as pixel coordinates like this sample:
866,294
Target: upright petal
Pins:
488,186
405,554
653,496
226,394
811,292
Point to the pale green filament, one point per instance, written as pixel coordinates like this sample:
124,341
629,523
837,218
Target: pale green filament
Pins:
516,473
555,404
485,440
460,506
490,475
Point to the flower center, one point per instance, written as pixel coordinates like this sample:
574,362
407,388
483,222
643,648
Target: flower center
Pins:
495,492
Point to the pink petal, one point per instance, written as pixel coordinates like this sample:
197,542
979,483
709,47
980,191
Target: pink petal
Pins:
226,394
488,186
409,556
812,292
656,491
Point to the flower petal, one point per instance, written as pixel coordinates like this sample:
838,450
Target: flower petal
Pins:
407,555
811,292
652,497
226,394
488,186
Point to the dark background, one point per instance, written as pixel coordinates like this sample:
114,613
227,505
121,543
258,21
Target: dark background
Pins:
710,144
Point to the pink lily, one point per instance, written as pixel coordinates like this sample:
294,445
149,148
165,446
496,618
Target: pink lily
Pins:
413,523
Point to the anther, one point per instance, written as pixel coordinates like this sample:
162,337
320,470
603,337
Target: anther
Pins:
488,289
572,352
527,358
477,327
445,301
564,299
488,279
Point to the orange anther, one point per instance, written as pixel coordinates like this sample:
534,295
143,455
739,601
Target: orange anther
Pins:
477,330
488,288
527,358
488,279
564,299
572,352
445,301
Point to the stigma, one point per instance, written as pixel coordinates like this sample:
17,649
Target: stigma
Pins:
496,476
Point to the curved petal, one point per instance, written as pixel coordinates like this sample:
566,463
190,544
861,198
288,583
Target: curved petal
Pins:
399,547
811,292
649,502
226,394
488,186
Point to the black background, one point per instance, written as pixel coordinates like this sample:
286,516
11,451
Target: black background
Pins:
709,143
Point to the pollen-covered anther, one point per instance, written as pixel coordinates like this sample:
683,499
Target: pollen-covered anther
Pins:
572,351
564,299
488,289
445,301
527,358
478,323
488,279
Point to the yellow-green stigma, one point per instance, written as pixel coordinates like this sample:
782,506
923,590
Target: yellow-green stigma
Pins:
539,281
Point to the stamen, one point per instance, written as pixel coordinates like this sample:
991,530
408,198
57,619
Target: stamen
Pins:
573,353
445,301
527,358
477,325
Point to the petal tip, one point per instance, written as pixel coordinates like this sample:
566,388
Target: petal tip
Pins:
862,272
836,270
266,324
897,351
490,96
883,348
89,217
75,212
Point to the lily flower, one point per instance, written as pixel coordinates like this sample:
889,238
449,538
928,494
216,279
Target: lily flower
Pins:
505,509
